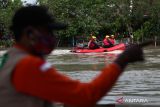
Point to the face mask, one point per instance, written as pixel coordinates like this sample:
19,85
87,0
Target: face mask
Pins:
42,43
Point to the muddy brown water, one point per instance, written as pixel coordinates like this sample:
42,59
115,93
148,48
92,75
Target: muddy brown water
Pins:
139,84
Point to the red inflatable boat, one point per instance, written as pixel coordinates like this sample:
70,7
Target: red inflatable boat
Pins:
120,46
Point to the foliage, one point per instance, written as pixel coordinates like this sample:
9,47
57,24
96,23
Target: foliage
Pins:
106,17
6,13
7,10
140,17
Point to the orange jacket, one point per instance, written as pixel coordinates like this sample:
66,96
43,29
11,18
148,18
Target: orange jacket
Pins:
34,76
112,41
92,44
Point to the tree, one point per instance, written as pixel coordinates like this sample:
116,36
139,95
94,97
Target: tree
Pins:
99,16
6,13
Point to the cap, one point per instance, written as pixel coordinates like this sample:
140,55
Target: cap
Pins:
35,16
112,35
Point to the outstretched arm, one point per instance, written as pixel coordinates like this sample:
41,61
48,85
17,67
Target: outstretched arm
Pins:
48,84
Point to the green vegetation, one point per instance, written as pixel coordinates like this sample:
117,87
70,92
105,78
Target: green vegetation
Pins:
139,17
7,9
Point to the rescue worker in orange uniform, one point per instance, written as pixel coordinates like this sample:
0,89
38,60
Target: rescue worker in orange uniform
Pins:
92,44
106,42
112,39
28,80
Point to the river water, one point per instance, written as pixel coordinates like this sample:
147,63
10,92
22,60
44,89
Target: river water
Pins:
140,81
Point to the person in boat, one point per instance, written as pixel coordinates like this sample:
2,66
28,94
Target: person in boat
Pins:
107,42
28,80
92,44
81,45
112,39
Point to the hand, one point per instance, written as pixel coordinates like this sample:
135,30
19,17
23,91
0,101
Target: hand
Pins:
133,53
